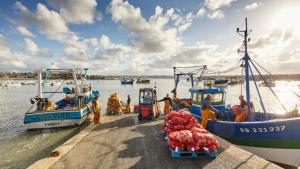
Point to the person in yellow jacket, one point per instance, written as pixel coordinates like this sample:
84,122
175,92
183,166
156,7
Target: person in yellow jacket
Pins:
96,109
49,105
168,104
207,111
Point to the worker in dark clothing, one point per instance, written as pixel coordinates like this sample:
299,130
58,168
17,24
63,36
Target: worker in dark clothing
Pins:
128,104
168,104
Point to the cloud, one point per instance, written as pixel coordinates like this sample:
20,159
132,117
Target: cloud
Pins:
32,49
218,14
49,22
24,31
110,52
52,24
186,56
212,8
277,36
253,6
10,60
77,11
216,4
201,12
153,36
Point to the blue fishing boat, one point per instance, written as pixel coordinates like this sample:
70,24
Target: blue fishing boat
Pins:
72,110
127,81
272,136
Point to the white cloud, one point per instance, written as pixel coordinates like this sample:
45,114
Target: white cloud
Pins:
216,4
24,31
10,60
212,8
277,36
51,24
110,52
151,36
32,49
218,14
77,11
201,12
197,53
253,6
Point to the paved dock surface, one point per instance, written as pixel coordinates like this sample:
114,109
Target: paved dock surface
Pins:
124,142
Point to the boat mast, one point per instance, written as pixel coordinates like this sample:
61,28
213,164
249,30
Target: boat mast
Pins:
40,92
246,59
76,82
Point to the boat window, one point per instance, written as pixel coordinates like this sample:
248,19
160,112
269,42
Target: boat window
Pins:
194,96
197,97
216,98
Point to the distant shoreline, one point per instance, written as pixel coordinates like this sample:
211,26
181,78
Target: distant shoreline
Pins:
289,77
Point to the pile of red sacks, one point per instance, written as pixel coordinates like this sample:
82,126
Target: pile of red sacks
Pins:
185,133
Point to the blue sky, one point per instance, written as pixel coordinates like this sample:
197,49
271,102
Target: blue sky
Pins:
146,37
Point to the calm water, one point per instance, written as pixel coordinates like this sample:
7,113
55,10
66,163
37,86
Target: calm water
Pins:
19,147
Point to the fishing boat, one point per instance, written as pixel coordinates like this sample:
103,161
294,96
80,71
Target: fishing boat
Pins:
26,83
127,81
72,110
268,83
143,80
275,137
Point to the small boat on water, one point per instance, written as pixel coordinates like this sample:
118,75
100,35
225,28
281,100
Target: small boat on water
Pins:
27,83
127,81
221,83
268,83
143,80
71,110
275,137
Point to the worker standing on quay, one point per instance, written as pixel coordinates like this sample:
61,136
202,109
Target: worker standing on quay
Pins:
96,109
168,104
128,104
207,111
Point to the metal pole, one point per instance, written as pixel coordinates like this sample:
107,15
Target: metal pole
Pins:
40,92
260,99
246,58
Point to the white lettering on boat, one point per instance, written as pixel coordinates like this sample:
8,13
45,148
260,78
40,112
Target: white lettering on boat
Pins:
52,116
263,130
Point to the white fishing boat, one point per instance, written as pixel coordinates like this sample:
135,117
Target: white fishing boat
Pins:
72,110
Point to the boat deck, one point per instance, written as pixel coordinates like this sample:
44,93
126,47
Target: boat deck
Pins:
121,141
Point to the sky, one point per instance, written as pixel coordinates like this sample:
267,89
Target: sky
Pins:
147,37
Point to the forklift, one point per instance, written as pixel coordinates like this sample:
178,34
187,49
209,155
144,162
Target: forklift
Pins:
148,107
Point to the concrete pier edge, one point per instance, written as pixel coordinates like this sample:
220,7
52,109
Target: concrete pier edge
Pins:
241,158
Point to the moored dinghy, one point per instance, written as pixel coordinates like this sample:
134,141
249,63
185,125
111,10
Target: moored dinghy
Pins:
70,111
272,136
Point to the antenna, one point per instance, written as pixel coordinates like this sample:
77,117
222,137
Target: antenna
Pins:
246,58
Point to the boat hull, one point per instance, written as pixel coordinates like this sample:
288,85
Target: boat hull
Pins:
126,82
269,139
54,119
284,156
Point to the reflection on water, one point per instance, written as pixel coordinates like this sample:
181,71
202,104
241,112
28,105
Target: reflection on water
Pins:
19,147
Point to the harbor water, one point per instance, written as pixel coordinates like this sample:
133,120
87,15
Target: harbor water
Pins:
19,148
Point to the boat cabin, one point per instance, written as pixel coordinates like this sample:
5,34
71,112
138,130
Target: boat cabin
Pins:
218,100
